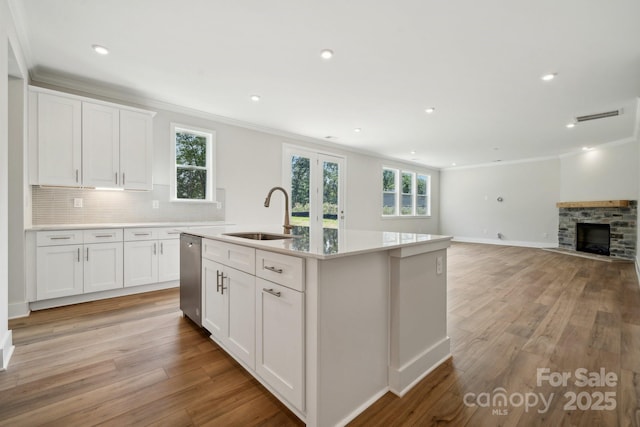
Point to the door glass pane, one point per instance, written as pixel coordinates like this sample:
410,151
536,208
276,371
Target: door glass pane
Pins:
330,178
300,183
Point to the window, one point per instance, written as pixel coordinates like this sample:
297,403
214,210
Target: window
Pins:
193,167
405,193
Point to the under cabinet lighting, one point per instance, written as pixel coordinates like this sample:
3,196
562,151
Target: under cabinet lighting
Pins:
100,49
108,189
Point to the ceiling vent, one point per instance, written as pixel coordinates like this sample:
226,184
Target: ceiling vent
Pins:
598,116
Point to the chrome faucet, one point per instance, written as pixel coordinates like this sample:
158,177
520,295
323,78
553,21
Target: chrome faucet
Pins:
287,227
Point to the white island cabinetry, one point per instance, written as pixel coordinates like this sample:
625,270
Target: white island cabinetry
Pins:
338,323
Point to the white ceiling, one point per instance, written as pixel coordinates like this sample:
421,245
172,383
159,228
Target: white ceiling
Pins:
478,63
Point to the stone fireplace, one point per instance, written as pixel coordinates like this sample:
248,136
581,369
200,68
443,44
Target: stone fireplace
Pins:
604,228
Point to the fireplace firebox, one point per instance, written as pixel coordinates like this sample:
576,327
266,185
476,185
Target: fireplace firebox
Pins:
593,238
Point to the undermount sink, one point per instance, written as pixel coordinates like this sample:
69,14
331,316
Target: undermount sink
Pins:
260,236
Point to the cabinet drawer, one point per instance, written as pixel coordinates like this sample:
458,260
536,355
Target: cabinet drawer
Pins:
168,233
55,238
283,269
103,236
134,234
239,257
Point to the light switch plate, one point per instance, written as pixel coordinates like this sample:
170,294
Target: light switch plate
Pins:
77,203
155,204
439,265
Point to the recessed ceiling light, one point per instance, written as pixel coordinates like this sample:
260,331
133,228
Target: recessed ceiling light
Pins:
357,130
413,152
453,164
586,148
330,137
430,110
326,53
100,49
571,125
549,77
255,98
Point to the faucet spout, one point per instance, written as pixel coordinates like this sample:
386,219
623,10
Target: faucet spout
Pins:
287,227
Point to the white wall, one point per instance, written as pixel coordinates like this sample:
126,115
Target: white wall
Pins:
605,173
526,216
249,163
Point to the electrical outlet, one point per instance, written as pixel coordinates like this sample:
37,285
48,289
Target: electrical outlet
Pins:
155,204
77,203
218,205
439,265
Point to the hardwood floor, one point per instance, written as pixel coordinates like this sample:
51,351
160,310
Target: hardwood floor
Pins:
512,311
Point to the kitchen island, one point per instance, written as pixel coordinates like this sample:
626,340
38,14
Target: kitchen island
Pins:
328,324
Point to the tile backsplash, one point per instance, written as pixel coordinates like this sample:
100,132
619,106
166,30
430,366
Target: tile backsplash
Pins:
56,206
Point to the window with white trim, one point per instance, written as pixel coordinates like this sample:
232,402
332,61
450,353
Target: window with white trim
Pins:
405,193
193,171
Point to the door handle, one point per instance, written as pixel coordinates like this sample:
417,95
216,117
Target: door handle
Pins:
272,292
87,254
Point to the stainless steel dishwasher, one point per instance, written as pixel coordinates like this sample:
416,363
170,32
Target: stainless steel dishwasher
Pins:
190,277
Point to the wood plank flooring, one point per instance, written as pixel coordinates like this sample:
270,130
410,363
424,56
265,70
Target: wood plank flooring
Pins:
135,361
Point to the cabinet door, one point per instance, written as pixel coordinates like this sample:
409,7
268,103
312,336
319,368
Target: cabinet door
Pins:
136,150
59,140
59,271
103,267
242,314
215,307
169,261
280,339
100,146
140,262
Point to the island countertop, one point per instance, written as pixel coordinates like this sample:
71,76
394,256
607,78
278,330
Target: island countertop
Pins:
332,244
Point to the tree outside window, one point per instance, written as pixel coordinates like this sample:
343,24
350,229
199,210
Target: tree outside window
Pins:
194,173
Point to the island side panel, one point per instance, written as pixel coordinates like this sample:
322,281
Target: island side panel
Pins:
353,327
418,315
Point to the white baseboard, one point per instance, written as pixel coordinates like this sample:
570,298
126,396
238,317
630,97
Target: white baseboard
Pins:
6,350
94,296
360,409
402,379
19,309
524,244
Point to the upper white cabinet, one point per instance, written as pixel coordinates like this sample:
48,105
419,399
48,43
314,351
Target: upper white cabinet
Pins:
83,142
59,142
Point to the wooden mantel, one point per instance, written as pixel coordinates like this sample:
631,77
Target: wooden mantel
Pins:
595,204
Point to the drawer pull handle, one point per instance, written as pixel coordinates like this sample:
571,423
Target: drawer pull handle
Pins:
60,238
272,292
141,234
104,235
173,232
274,269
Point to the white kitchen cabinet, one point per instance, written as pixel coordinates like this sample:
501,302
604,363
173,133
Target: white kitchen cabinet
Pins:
136,150
229,309
169,260
59,271
100,146
103,266
65,266
140,262
151,255
59,140
280,339
84,142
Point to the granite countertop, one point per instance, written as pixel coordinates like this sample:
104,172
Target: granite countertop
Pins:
334,243
183,224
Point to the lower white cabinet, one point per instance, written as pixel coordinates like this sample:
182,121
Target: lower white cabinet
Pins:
59,271
229,309
65,267
280,339
140,262
260,322
102,266
149,258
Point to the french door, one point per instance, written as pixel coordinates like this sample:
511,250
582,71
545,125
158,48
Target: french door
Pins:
316,182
